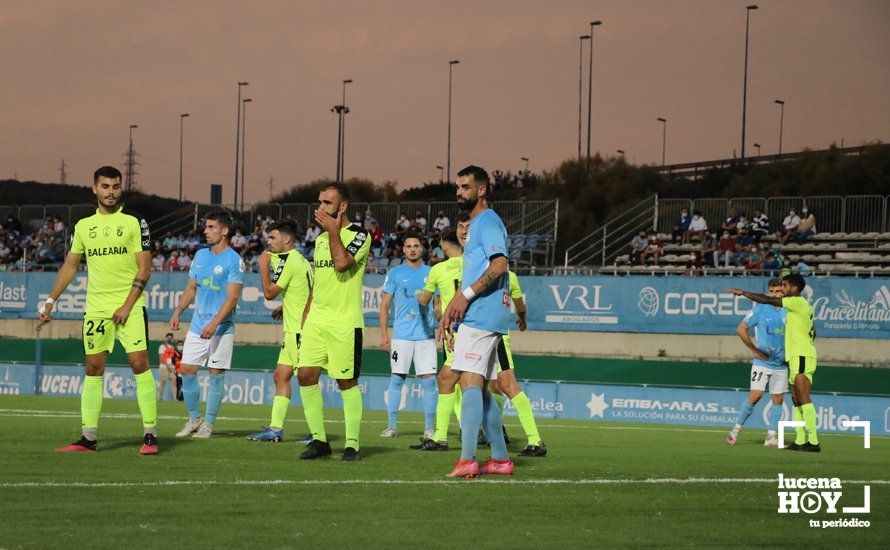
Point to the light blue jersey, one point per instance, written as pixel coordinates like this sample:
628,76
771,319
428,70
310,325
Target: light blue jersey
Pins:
768,323
411,321
489,310
213,273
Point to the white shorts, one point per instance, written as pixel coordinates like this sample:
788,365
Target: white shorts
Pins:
422,352
777,380
215,353
476,351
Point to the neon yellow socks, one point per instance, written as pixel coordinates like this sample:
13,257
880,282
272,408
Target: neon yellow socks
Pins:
809,417
352,414
523,407
279,410
91,406
313,408
443,415
457,402
801,432
147,397
500,401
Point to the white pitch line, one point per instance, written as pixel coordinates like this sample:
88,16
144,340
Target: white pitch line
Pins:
658,428
263,482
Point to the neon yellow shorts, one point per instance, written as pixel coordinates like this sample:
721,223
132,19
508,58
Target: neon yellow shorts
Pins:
801,365
290,350
338,350
99,333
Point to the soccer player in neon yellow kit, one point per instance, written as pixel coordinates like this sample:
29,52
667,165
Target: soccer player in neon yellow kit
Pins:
800,353
334,328
506,384
290,276
444,278
117,245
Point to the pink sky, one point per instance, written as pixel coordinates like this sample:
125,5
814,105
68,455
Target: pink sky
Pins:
77,74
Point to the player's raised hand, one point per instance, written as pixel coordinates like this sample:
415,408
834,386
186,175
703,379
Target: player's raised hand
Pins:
735,291
121,315
327,222
264,260
44,313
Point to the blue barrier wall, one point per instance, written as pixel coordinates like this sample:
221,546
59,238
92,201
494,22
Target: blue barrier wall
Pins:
691,407
843,306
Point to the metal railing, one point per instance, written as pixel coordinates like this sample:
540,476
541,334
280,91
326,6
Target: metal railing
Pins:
610,240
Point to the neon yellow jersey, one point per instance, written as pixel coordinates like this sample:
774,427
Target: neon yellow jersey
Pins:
110,242
293,274
337,297
799,329
515,289
445,278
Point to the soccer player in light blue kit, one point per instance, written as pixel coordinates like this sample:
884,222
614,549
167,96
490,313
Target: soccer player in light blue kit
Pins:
215,280
414,334
769,368
483,308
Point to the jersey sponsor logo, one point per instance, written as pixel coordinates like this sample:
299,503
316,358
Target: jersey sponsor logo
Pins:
107,251
120,231
322,264
217,270
106,231
92,231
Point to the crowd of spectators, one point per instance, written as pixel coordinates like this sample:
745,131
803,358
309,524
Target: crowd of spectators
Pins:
24,248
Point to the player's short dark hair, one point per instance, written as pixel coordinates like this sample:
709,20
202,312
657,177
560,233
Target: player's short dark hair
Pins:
413,235
109,172
480,176
340,187
220,216
450,236
795,280
288,227
773,283
463,217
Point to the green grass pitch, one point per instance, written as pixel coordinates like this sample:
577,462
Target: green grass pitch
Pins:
602,485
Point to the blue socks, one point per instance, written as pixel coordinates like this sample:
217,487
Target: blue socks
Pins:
775,414
191,394
394,398
747,409
494,427
470,422
430,400
214,397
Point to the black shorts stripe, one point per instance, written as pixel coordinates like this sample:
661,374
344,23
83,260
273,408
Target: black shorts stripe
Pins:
803,365
145,317
357,354
502,354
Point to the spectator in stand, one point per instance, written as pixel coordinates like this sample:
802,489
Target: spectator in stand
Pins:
744,223
193,241
637,245
172,263
681,226
13,225
4,250
376,234
359,219
731,222
181,243
369,219
255,243
183,261
157,262
239,241
807,226
755,258
725,249
16,252
420,222
169,241
653,248
311,234
759,225
789,224
392,246
697,225
693,265
743,246
708,249
441,223
771,264
402,224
